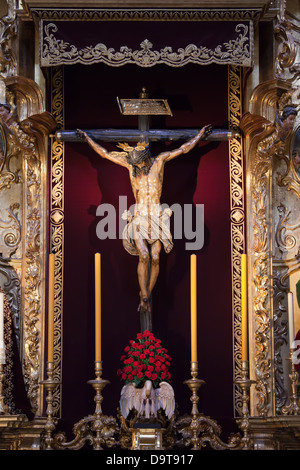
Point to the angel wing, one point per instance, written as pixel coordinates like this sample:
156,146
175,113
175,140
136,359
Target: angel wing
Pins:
130,398
165,399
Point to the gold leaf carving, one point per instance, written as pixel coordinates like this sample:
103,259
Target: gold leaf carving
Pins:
237,215
57,224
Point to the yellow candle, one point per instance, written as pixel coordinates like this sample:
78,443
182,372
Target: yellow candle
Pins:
97,307
51,308
244,318
193,308
291,319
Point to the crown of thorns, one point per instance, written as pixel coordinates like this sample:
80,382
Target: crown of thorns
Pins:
127,148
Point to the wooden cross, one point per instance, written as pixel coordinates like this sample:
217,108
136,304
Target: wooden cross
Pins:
143,107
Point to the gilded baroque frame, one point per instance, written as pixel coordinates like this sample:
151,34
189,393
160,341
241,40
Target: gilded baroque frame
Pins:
269,266
237,217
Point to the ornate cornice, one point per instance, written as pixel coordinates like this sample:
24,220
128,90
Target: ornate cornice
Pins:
146,14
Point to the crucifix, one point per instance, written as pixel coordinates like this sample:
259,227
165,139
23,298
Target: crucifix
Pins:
147,230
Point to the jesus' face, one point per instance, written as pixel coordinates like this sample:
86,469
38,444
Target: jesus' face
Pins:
137,157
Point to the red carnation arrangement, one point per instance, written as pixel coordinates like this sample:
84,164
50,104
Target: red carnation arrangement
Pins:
145,359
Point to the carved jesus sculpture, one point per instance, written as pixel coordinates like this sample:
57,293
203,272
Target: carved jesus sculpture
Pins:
148,229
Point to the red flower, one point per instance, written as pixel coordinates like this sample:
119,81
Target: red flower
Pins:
145,360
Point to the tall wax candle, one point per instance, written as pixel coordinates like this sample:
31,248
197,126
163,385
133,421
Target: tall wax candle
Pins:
193,280
291,319
51,308
97,307
244,316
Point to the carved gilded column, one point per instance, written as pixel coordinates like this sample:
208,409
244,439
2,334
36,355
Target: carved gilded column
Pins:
237,215
272,231
25,141
57,222
265,144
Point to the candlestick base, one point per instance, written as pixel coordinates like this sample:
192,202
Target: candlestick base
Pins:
198,429
96,429
50,384
292,408
245,383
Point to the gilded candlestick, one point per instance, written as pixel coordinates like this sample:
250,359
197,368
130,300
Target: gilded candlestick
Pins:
199,429
98,385
194,385
50,384
245,383
97,428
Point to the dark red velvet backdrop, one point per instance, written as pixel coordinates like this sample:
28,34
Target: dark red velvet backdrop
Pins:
197,96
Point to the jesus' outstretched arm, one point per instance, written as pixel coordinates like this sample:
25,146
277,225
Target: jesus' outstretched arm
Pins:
116,157
187,146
